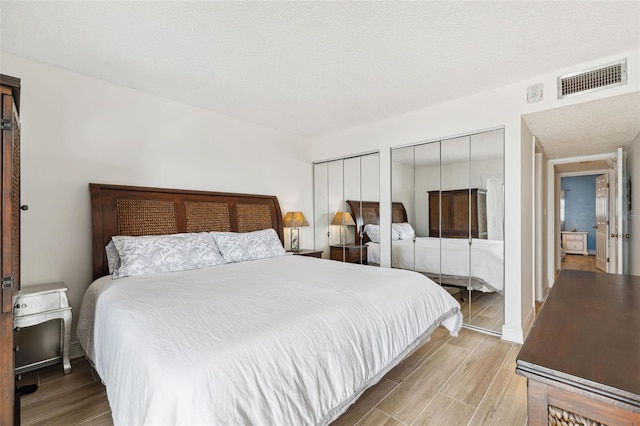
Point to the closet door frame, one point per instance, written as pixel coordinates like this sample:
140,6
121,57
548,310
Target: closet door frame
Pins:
470,209
320,223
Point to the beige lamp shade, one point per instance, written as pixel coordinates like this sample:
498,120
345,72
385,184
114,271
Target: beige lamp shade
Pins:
344,219
295,220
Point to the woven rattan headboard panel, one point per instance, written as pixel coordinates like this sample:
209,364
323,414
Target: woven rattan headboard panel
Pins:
129,210
368,213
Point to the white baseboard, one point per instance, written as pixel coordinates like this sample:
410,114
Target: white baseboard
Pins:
75,350
512,334
516,334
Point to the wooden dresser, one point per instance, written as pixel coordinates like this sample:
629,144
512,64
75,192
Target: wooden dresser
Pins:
456,216
582,355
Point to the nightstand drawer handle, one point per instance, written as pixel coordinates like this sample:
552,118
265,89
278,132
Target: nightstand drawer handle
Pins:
18,306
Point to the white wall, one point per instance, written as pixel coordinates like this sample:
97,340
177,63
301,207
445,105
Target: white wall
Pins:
527,231
633,173
77,129
500,107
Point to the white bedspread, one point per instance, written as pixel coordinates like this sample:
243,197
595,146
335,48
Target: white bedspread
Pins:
486,261
290,340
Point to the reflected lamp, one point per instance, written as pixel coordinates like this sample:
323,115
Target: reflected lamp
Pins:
343,219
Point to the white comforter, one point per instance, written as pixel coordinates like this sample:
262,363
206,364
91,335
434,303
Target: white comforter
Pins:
448,256
290,340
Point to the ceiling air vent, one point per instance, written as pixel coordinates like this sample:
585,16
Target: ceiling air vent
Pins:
603,77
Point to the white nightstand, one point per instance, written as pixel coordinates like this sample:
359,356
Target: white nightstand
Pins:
575,242
39,303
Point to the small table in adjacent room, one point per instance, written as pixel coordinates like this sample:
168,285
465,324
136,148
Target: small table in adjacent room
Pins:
40,303
351,253
582,355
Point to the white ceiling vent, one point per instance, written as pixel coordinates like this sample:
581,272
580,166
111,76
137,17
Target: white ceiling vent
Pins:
603,77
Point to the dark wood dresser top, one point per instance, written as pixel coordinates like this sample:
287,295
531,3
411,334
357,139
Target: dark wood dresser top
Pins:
587,335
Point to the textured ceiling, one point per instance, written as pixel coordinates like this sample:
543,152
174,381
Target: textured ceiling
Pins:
314,67
588,128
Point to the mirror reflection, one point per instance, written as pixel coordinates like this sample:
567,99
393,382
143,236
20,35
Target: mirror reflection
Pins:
453,194
341,188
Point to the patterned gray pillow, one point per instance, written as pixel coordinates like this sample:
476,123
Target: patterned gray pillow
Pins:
165,253
113,258
243,246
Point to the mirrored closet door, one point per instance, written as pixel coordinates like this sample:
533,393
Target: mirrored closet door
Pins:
346,191
453,193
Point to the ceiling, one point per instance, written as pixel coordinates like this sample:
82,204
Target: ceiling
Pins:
594,127
314,67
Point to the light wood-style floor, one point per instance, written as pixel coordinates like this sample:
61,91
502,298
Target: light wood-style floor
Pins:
465,380
580,262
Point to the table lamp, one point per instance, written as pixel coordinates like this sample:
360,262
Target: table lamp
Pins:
294,220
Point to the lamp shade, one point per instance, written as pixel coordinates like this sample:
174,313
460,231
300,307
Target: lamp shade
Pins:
295,220
343,218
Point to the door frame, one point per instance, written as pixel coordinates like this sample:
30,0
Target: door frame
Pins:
607,231
553,202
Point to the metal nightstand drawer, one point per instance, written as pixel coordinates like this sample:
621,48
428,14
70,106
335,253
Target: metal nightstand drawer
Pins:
27,305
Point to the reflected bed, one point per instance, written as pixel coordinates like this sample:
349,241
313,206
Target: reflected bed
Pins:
448,261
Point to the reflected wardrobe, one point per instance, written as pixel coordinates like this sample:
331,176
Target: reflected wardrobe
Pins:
340,187
451,192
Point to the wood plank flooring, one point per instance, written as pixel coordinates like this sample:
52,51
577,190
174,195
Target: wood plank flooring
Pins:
580,262
465,380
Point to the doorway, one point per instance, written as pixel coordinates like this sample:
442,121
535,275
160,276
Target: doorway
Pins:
583,171
583,209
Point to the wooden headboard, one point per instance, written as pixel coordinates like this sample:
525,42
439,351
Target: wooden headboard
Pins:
131,210
368,213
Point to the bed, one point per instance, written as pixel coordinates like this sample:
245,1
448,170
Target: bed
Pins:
447,261
279,339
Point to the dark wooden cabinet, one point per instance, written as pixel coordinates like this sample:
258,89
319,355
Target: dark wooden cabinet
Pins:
458,213
10,91
351,253
582,355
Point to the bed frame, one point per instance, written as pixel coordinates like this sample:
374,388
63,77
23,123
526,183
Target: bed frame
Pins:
368,213
134,211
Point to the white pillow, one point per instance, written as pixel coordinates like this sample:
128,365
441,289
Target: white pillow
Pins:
373,231
165,253
405,231
243,246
